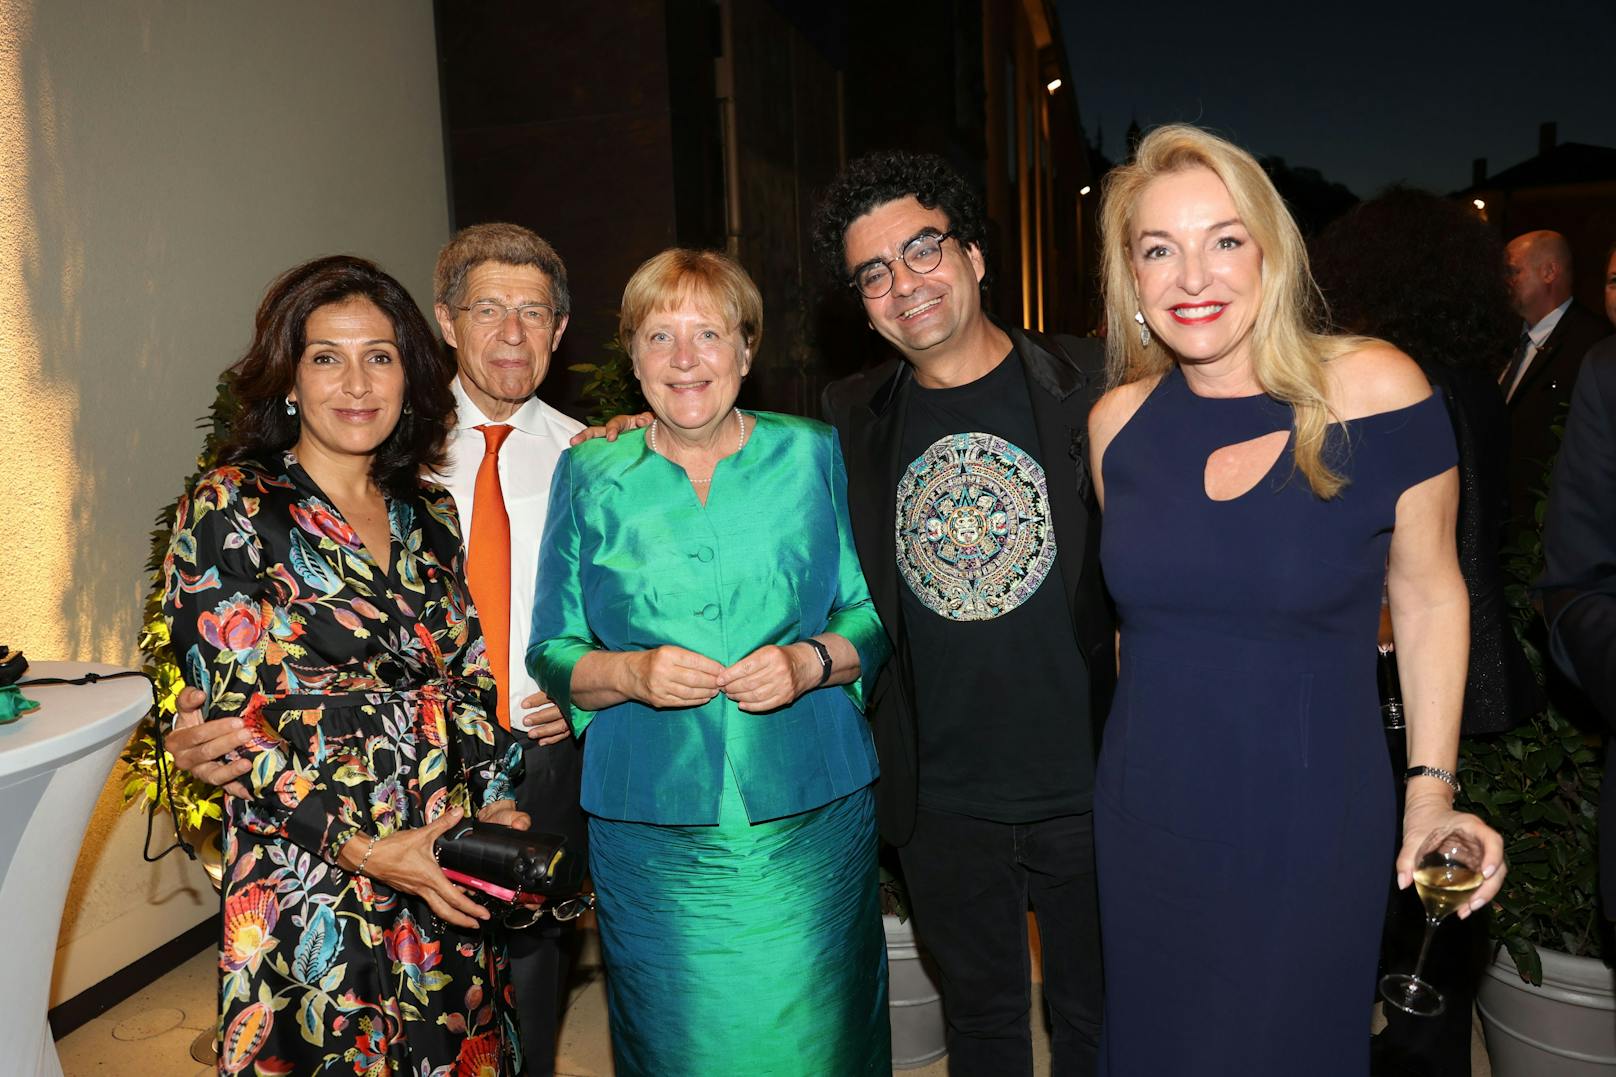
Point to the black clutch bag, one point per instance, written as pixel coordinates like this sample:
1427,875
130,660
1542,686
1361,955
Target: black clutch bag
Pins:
514,867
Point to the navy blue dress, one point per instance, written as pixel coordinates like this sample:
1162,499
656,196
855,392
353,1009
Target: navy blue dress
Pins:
1244,813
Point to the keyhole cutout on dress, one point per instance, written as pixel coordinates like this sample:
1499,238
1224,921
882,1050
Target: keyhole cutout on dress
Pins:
1234,470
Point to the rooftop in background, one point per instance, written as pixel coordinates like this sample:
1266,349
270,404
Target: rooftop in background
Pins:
1568,187
1565,164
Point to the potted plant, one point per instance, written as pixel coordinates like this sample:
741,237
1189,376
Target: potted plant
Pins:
1548,1001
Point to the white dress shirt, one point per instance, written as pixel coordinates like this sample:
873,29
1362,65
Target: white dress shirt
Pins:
1536,335
526,462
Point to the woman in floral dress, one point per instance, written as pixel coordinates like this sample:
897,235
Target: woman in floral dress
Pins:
314,593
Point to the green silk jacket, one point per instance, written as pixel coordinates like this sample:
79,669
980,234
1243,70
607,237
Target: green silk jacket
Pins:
632,560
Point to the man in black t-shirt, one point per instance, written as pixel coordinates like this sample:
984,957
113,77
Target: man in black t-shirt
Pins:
976,524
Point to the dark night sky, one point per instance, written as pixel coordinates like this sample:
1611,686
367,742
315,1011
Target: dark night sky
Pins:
1367,92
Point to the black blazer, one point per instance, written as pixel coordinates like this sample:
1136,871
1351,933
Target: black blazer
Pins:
1065,376
1578,586
1541,399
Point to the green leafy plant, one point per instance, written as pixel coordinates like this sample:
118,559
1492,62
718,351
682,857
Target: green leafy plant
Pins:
1538,785
192,803
611,387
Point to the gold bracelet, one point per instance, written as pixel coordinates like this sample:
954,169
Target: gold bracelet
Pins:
360,870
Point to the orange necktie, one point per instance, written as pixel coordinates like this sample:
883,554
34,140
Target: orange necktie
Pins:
488,570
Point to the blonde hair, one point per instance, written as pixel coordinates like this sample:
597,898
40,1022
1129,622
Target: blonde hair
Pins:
1288,348
707,278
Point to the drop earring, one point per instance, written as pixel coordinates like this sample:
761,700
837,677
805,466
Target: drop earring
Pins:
1144,330
291,405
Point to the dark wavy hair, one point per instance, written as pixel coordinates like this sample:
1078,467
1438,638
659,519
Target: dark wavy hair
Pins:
260,429
886,176
1421,272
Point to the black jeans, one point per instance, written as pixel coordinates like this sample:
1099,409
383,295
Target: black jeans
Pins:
971,882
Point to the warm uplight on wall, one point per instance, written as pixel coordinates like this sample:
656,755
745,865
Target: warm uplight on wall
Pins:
1084,190
1478,203
37,410
1054,84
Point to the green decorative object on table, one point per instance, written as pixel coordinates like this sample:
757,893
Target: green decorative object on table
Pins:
13,704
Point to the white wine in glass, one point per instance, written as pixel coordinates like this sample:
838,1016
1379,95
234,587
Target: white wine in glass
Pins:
1447,872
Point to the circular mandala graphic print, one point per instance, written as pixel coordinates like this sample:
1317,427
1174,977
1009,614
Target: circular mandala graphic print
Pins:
973,534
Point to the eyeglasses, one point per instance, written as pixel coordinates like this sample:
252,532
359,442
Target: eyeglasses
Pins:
922,254
531,315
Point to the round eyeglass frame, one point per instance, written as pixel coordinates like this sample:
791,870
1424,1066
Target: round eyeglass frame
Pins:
903,255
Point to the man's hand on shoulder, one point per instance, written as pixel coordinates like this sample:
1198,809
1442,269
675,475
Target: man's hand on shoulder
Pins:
210,752
617,424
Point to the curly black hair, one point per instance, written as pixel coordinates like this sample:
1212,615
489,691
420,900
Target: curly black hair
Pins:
885,176
260,428
1423,273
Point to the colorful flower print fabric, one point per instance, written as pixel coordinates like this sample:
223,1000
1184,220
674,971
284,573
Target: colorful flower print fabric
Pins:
368,697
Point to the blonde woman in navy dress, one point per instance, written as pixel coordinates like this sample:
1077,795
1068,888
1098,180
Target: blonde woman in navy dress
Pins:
1259,480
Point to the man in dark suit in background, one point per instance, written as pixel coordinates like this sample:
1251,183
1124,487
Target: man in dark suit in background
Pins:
1578,586
1537,382
977,527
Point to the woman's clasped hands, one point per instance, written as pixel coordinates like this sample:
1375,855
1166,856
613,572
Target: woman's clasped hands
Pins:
767,679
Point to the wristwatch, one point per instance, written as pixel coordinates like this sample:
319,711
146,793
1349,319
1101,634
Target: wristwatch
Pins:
1433,772
824,659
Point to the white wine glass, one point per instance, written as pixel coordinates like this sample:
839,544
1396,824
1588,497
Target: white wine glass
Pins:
1446,872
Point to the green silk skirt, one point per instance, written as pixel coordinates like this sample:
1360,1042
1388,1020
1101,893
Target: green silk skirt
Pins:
744,949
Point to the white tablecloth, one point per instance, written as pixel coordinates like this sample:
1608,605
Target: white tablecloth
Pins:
53,764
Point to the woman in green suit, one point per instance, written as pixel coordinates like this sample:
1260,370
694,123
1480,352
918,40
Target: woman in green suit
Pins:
704,624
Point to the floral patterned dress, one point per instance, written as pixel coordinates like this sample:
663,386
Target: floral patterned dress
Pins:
369,695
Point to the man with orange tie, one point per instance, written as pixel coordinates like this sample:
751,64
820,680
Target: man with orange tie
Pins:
501,301
500,296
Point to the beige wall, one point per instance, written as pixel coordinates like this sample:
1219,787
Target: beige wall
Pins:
160,161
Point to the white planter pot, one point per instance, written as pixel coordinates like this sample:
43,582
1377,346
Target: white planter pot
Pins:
1566,1028
914,1003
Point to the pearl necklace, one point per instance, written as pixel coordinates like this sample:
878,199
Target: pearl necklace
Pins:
740,441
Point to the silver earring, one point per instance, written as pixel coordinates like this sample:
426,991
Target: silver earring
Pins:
1144,330
291,405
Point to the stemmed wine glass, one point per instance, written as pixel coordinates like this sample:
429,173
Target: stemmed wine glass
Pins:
1446,873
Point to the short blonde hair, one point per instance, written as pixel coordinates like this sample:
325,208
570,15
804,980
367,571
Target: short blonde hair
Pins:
1288,346
709,279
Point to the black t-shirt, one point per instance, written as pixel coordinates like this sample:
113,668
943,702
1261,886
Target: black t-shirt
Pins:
1000,683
